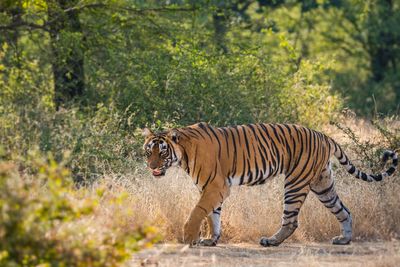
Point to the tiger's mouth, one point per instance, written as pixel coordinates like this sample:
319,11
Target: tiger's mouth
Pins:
157,172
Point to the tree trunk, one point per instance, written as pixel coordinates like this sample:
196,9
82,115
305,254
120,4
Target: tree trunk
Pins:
220,28
382,43
68,58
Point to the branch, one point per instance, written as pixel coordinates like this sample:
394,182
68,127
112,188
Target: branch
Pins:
342,43
115,8
15,25
246,6
19,24
135,10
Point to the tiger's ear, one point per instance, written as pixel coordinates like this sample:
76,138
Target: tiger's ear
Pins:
174,135
146,132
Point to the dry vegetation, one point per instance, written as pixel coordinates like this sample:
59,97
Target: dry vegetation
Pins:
251,212
123,204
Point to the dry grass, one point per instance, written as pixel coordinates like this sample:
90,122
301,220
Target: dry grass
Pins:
251,212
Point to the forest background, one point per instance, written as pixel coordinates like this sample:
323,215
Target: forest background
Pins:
79,78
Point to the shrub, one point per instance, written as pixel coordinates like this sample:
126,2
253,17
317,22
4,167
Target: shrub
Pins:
44,221
387,136
99,141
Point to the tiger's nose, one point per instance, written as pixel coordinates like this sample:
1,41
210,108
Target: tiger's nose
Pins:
152,165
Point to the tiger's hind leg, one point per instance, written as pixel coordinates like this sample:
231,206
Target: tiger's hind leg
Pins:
295,195
324,188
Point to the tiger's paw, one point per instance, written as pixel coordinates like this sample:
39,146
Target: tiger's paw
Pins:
211,242
191,240
269,242
341,240
190,236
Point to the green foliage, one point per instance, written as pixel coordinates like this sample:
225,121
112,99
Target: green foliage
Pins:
154,63
144,67
161,61
177,63
305,100
44,221
24,81
186,86
98,141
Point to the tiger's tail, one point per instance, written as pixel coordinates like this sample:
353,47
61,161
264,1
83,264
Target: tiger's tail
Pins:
344,160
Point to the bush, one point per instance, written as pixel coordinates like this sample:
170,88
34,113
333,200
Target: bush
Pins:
386,137
44,221
184,85
98,141
305,99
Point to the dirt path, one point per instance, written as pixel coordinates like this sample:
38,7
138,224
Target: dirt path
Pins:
291,254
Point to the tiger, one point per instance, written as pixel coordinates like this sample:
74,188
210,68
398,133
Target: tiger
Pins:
218,158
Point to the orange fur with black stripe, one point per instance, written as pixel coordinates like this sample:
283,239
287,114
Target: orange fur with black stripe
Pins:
219,158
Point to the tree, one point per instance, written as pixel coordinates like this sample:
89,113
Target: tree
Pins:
59,20
68,56
373,28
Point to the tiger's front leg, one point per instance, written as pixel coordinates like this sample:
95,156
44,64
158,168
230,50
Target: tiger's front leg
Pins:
214,226
211,199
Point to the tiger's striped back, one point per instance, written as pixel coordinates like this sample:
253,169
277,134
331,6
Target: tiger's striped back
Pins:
250,154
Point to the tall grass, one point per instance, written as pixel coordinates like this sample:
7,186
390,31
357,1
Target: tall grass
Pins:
105,150
251,212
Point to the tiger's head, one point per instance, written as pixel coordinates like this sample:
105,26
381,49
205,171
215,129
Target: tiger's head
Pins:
162,150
